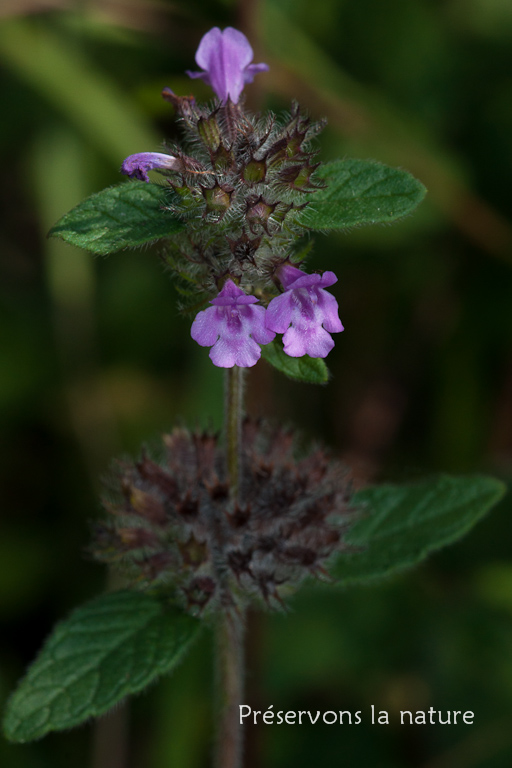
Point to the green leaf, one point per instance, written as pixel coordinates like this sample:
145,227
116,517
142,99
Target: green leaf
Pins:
123,216
108,648
402,524
361,192
311,370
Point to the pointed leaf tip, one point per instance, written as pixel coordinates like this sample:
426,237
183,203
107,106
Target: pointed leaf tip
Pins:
130,214
112,646
402,524
361,192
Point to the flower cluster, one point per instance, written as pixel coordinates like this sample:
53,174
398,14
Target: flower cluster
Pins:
172,524
305,313
241,195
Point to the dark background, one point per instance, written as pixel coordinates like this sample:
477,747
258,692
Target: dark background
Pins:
95,359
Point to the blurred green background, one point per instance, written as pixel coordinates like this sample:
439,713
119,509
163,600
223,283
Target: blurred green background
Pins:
95,359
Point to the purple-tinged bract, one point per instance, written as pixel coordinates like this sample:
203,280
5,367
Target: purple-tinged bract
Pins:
305,313
234,328
226,59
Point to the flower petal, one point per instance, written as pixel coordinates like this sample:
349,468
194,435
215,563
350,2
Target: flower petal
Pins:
254,69
198,75
224,55
279,313
313,341
248,353
310,311
137,166
231,351
232,295
256,324
225,58
327,279
228,327
328,307
288,274
207,327
222,354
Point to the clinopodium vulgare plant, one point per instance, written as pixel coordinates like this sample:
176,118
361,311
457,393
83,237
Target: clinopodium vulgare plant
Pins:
209,524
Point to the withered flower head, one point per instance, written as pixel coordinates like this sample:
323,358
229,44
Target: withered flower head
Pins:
172,525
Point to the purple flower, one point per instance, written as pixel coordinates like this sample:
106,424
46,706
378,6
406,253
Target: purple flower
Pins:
304,313
137,166
226,59
233,328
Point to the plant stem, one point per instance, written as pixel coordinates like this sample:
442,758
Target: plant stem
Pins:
230,625
233,427
230,686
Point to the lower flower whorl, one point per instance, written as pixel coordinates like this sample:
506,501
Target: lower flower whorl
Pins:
172,525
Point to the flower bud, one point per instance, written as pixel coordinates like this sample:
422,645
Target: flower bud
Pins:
254,172
222,159
193,552
187,198
218,199
209,131
185,106
244,248
298,177
258,213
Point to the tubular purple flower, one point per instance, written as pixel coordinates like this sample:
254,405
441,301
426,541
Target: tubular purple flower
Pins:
233,328
226,59
305,313
137,166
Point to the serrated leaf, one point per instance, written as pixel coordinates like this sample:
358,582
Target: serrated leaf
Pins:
361,192
311,370
108,648
402,524
127,215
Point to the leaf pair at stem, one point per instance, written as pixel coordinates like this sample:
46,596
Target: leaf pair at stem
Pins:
131,214
357,192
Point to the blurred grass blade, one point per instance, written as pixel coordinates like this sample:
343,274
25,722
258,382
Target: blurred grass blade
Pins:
375,126
66,78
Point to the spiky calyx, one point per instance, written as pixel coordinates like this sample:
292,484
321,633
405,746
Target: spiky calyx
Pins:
171,524
241,192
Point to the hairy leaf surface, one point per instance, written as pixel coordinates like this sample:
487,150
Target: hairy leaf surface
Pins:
127,215
402,524
311,370
110,647
361,192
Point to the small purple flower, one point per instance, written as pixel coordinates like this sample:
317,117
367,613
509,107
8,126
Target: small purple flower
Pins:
226,59
233,328
137,166
304,313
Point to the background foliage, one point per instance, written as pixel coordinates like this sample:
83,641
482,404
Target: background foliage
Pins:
95,359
